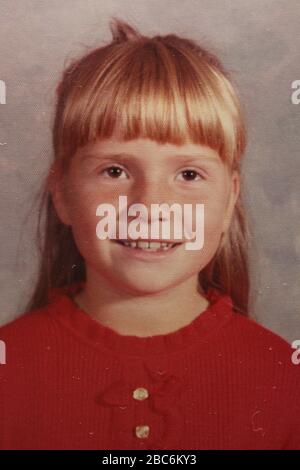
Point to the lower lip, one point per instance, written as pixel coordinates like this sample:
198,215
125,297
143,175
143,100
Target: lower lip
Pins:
138,253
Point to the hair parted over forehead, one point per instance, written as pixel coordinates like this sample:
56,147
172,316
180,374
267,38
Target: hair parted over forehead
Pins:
165,88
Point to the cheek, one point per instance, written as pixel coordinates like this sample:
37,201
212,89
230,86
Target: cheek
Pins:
213,218
214,213
83,205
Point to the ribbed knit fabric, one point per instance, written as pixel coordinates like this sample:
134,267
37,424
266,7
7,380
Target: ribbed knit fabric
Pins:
220,382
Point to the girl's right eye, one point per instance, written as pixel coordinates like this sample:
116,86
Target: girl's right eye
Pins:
113,172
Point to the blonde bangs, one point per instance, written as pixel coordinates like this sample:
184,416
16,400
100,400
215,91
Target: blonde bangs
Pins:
151,89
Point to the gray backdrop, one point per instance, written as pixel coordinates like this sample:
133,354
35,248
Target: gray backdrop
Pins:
259,42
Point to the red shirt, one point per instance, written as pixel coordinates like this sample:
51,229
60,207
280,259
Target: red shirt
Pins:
220,382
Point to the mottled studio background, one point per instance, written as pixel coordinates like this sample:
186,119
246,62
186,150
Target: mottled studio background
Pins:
259,41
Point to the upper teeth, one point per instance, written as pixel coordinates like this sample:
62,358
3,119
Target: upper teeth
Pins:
147,245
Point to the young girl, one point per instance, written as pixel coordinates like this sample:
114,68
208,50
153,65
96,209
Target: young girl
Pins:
145,345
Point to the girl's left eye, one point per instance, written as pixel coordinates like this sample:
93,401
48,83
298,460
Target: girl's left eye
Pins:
191,175
114,172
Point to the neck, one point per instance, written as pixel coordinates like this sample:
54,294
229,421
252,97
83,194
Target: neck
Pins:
141,315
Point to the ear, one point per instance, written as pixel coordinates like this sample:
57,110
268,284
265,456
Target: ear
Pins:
233,195
57,190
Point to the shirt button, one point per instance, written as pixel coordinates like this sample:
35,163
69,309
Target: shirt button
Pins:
140,393
142,431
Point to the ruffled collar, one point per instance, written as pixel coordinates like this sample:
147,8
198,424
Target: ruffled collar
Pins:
62,307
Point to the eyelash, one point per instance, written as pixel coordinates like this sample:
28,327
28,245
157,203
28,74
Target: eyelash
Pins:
182,171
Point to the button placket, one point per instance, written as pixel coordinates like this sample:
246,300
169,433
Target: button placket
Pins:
166,401
141,431
130,399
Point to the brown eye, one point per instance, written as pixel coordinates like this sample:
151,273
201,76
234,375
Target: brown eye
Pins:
114,172
190,175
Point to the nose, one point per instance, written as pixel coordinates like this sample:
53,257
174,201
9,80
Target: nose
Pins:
153,191
166,218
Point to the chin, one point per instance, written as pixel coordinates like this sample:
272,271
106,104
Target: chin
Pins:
142,287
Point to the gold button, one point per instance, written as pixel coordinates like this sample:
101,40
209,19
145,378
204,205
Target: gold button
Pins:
142,431
140,393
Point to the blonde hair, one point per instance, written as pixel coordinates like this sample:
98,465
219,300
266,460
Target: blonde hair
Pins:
166,88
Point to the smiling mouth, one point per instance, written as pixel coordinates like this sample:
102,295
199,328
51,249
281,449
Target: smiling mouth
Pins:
150,246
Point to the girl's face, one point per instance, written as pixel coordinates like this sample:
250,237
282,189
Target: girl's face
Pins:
147,173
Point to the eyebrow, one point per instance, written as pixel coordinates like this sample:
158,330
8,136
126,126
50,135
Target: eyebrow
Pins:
125,156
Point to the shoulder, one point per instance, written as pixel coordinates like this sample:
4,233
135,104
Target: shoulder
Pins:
25,324
249,330
26,337
246,332
269,357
